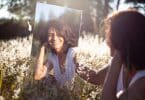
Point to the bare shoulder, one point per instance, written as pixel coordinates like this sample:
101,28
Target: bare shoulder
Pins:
136,91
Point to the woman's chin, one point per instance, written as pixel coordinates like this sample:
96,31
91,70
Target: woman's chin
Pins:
57,49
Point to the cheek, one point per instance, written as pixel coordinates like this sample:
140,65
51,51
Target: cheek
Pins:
49,39
61,40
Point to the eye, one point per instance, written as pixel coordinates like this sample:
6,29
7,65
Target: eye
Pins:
59,35
50,34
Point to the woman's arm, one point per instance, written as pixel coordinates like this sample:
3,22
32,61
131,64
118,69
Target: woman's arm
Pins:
92,76
97,77
110,83
41,69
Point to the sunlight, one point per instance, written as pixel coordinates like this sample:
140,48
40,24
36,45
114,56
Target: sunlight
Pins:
92,51
93,47
7,15
124,5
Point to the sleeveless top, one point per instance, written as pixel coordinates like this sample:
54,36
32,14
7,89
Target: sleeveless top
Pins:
120,87
66,78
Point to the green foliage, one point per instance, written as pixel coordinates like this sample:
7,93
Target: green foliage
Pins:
135,1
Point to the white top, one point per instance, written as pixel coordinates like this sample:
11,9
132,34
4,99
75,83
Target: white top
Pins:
66,78
120,87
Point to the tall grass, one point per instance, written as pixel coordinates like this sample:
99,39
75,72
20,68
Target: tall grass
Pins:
93,51
17,67
14,66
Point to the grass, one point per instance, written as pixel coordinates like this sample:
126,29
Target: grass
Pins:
93,51
17,69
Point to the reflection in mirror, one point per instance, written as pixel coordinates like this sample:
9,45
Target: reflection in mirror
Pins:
55,41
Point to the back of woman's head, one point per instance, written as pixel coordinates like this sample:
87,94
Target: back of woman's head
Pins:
125,32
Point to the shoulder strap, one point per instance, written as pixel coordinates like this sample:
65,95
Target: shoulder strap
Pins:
120,81
138,75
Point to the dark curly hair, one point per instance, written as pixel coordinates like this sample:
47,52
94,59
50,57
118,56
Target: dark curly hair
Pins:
125,32
63,30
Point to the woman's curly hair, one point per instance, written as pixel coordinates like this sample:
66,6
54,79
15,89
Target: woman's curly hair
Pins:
62,30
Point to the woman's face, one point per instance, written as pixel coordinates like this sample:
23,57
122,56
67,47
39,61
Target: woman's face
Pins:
55,41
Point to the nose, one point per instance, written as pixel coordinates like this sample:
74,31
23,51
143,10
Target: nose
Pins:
54,37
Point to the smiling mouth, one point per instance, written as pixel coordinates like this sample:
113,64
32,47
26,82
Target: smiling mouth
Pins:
54,44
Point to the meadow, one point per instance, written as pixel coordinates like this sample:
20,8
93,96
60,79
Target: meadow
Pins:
17,71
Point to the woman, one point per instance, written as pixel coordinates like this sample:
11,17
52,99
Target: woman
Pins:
61,41
125,79
124,76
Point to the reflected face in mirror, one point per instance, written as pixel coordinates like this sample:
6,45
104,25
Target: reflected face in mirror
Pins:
55,40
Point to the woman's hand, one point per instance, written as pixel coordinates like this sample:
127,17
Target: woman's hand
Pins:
41,69
92,76
45,45
83,71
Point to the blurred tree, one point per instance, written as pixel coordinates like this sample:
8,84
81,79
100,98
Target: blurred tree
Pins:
137,4
22,8
135,1
12,28
17,25
95,10
118,3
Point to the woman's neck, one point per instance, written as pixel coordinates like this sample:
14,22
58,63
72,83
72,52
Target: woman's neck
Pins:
61,51
59,54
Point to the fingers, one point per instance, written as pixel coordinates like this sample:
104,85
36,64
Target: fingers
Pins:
81,70
85,72
45,44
